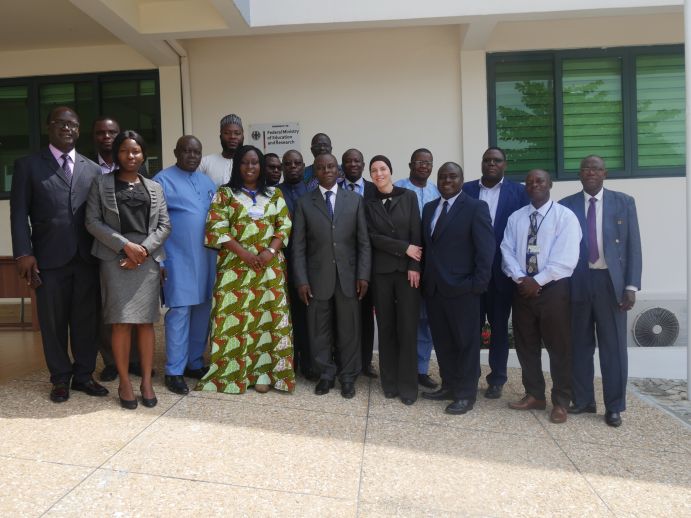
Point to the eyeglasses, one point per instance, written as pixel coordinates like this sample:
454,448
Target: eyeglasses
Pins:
61,123
493,161
418,163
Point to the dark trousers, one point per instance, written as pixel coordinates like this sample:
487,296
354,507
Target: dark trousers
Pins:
545,319
367,326
334,324
298,316
397,306
455,326
495,308
105,344
601,315
69,304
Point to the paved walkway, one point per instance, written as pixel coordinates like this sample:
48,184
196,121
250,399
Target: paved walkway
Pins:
304,455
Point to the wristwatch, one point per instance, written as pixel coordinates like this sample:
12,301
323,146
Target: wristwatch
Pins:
272,250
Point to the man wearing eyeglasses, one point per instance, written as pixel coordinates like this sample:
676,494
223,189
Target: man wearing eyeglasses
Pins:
503,197
53,253
603,289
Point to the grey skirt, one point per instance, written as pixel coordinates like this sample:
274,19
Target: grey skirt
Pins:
130,296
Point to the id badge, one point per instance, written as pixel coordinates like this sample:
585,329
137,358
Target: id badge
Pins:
534,249
255,212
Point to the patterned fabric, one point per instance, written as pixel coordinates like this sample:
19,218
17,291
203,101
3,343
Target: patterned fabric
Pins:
530,255
251,333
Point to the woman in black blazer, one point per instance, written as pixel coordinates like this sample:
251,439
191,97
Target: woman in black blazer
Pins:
393,221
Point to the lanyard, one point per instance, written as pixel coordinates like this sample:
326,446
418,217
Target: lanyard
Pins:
543,219
253,195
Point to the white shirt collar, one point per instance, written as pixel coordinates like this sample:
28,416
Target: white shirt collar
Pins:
58,154
334,190
542,210
598,196
496,187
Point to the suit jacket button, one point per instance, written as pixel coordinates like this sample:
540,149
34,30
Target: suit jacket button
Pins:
616,240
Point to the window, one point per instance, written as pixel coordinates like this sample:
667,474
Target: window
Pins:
548,110
132,98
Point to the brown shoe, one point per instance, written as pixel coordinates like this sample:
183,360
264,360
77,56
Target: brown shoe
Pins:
558,414
262,389
528,403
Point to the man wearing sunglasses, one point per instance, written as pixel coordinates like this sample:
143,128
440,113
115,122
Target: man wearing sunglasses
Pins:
503,197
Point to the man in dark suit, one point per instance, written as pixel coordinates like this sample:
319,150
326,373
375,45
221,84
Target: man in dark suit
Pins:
49,191
331,259
353,166
603,289
458,251
503,197
294,188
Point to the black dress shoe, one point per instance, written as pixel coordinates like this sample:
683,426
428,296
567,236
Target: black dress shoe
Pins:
390,395
589,408
493,391
196,373
438,395
60,393
369,372
149,403
323,387
177,385
613,419
407,401
129,404
426,381
90,387
109,373
136,369
348,389
459,407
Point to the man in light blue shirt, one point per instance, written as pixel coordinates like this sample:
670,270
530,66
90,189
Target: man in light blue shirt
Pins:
540,250
421,163
189,269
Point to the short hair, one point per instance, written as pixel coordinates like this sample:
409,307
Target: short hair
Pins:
351,150
102,118
293,151
235,182
420,150
453,165
121,138
231,119
496,148
380,158
271,155
593,156
319,135
49,117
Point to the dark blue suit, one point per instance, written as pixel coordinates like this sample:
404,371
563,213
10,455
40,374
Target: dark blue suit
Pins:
496,303
457,269
68,301
596,295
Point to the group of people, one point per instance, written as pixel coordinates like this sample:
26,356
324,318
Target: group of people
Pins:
282,268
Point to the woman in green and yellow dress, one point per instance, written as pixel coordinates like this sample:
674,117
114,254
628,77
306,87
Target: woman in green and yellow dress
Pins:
251,335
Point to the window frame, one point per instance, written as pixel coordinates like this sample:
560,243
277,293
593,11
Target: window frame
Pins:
628,57
34,83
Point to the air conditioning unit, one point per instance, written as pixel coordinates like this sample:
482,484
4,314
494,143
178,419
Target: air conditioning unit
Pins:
657,323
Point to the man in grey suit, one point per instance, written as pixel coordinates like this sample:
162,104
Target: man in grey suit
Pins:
331,261
603,289
53,253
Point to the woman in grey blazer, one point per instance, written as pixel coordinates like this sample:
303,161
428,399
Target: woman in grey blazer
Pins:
127,215
393,222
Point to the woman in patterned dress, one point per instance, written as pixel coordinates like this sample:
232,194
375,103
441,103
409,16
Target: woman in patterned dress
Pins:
251,335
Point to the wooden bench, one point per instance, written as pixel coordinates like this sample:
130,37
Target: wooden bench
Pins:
12,287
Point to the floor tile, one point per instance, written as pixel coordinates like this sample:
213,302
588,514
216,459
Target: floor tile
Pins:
244,444
643,427
111,493
636,482
471,473
302,398
83,431
30,487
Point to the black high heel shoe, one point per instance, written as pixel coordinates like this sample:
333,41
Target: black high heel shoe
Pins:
149,403
129,404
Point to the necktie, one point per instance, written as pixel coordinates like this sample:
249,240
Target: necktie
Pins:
531,256
66,166
387,204
329,206
351,186
591,220
440,220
